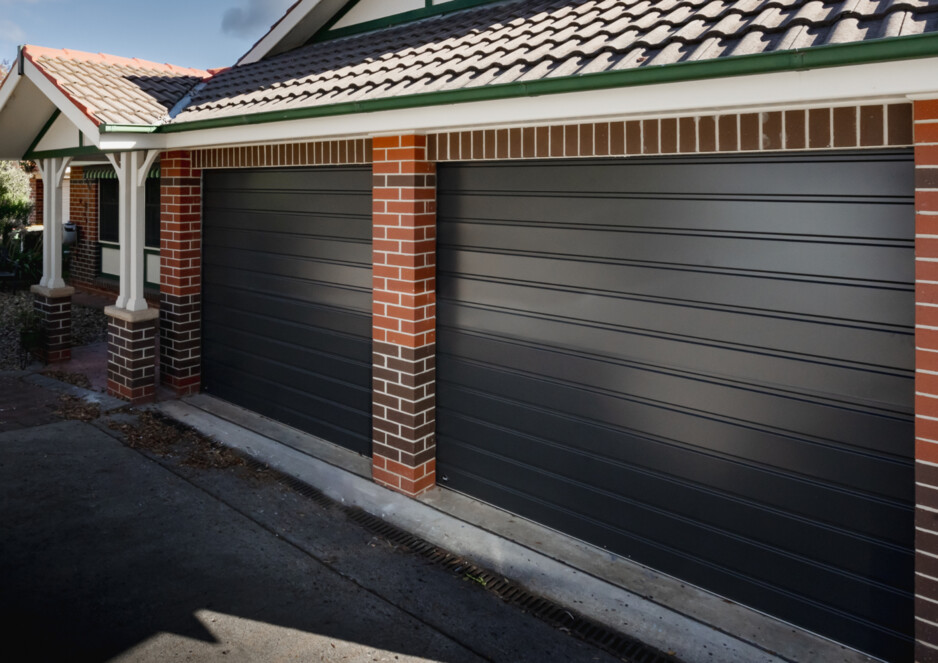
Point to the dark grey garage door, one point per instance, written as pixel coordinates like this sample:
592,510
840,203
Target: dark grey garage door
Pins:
704,365
287,297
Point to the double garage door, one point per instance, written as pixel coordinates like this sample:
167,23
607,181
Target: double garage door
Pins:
704,365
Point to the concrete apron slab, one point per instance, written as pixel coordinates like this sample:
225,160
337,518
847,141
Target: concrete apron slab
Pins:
624,596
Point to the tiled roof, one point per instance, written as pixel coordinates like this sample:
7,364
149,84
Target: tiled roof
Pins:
115,90
526,40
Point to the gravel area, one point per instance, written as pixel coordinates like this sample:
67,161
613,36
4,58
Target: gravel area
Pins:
89,325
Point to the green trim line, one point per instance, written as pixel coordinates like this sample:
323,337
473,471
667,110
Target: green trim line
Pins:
44,130
71,152
836,55
326,33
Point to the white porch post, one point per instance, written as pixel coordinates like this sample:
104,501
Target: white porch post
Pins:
131,366
132,168
53,175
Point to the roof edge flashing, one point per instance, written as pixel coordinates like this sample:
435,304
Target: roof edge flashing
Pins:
833,55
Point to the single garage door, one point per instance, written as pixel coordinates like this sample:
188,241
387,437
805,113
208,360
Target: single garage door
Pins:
287,297
705,365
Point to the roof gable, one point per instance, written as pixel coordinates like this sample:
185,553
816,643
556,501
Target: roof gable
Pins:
302,20
115,90
317,20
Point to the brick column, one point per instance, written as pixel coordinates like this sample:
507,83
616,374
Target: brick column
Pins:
926,381
83,210
181,268
404,315
53,308
131,363
37,195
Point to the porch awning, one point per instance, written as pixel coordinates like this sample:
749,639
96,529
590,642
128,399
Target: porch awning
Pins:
105,172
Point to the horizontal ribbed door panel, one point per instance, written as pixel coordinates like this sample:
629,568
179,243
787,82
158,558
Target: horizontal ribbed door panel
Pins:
287,297
702,364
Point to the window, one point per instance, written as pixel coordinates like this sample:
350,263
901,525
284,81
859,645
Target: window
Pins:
108,211
108,230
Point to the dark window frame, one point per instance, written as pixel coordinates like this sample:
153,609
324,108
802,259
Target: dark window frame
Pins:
108,211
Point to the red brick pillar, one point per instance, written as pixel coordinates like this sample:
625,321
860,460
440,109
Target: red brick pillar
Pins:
404,315
131,364
37,193
83,211
53,309
926,381
181,269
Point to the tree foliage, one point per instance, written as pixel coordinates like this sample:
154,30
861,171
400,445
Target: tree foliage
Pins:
14,193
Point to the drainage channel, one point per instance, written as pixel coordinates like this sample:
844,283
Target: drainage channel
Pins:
558,616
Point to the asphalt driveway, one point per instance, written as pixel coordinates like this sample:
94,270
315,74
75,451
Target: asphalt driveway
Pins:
109,552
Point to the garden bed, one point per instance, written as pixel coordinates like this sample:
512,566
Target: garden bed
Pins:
89,325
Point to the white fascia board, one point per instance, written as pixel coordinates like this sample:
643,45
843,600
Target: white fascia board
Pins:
57,97
308,16
869,83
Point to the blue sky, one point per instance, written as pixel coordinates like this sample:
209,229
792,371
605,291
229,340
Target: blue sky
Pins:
190,33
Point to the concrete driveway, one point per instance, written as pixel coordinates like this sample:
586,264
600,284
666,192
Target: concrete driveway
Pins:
108,552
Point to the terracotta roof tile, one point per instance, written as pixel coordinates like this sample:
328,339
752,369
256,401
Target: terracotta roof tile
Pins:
115,90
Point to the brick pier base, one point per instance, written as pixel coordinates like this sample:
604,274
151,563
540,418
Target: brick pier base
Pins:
181,342
131,362
53,307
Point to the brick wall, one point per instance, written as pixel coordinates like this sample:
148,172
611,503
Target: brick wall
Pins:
36,196
805,129
404,314
83,210
926,380
181,280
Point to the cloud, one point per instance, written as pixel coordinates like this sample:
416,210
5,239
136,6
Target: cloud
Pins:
252,18
11,32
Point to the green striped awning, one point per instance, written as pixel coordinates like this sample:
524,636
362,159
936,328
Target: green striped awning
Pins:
107,172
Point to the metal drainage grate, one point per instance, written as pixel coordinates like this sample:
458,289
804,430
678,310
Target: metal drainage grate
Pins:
624,647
